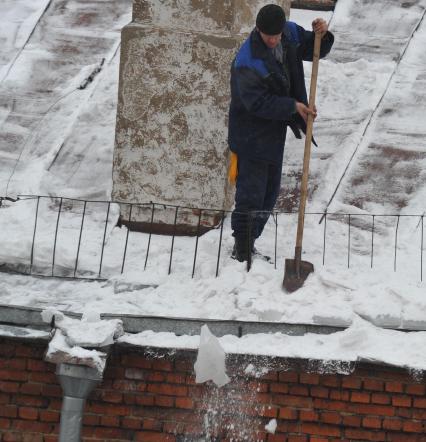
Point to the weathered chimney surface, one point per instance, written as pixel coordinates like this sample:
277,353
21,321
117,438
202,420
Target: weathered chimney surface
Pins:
171,133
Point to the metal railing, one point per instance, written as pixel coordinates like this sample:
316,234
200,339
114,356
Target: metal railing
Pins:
99,213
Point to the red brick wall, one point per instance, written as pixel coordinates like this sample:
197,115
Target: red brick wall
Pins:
152,397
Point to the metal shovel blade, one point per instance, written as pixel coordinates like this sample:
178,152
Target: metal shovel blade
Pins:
294,279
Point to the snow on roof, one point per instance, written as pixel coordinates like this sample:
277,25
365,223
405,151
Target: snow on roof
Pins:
58,140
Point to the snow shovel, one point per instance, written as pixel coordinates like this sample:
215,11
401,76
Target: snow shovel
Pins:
296,271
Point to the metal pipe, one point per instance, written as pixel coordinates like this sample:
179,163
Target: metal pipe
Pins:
79,238
71,419
103,241
196,242
220,243
396,244
421,251
324,239
127,239
34,234
56,236
150,235
173,240
276,240
372,242
77,382
349,241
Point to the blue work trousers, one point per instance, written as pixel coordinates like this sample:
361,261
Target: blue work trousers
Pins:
257,190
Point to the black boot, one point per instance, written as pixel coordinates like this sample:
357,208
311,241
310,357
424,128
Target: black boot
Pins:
241,250
252,247
256,253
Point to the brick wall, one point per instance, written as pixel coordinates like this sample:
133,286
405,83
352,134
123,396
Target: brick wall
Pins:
151,396
319,5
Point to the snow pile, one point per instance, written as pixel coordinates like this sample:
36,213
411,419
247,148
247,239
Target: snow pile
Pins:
210,363
59,351
91,331
72,336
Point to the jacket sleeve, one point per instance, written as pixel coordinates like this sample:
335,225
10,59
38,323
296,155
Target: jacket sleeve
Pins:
307,38
258,100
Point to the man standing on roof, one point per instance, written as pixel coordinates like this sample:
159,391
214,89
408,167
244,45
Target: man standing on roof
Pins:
268,93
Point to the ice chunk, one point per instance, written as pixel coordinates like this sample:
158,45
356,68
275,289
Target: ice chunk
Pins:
210,363
271,426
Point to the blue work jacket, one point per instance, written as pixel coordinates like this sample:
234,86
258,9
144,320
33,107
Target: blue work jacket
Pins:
264,93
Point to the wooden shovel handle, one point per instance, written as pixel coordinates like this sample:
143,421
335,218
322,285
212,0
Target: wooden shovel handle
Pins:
308,144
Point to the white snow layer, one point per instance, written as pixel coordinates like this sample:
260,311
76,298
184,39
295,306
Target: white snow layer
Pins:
362,341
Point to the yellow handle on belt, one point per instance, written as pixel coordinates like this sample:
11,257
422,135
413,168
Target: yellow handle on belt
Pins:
233,169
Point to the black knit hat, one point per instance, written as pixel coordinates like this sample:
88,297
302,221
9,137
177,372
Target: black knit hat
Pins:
270,19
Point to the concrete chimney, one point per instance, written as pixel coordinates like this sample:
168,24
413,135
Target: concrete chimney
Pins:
171,133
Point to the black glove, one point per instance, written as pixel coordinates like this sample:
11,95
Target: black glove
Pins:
298,124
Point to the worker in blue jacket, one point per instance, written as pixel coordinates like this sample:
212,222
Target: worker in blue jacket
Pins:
268,93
